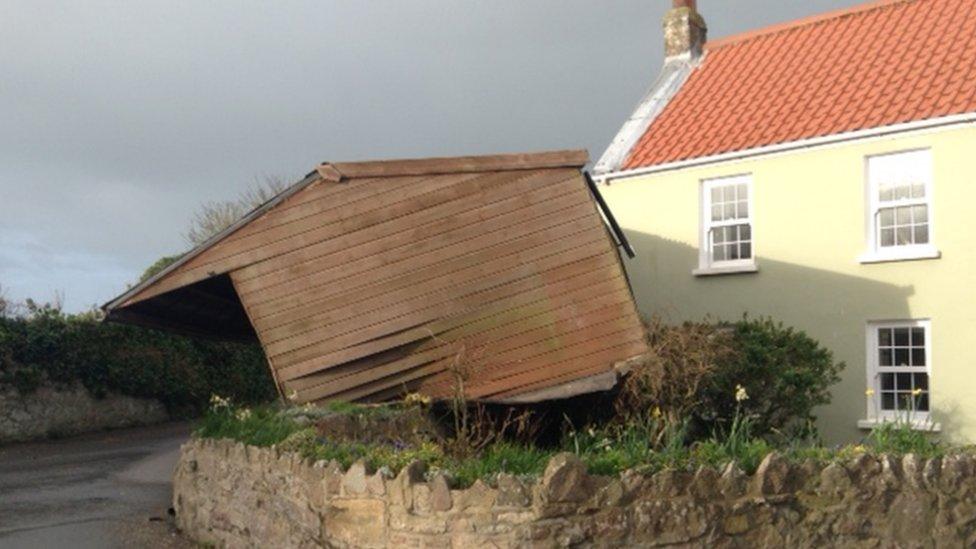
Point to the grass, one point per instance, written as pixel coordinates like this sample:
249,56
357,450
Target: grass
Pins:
901,438
498,458
646,446
260,426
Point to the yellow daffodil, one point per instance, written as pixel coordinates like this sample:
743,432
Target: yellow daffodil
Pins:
740,393
417,399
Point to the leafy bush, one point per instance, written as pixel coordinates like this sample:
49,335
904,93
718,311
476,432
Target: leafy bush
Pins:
48,346
692,373
786,373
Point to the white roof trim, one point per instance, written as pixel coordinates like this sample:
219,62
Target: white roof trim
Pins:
673,75
881,131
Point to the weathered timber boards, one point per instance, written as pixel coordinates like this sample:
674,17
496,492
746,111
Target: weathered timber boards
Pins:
318,340
580,366
430,284
397,202
500,317
415,380
504,347
378,208
396,232
229,255
505,343
555,313
325,199
388,269
527,356
457,230
512,296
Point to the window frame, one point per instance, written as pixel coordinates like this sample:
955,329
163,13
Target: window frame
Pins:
874,413
876,253
706,265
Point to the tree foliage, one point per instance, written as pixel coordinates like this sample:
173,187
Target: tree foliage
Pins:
158,266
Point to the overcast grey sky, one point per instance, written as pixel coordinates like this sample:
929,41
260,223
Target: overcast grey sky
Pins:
117,119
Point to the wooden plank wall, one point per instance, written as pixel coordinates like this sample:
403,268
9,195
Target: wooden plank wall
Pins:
368,287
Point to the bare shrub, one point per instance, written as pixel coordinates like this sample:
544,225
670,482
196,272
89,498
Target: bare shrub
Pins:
666,383
10,308
213,217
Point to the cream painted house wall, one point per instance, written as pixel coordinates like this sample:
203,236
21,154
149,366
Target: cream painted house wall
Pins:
810,228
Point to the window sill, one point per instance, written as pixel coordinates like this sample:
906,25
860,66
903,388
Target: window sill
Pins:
910,254
732,269
918,424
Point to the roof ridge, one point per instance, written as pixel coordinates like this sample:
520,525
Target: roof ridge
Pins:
803,22
337,171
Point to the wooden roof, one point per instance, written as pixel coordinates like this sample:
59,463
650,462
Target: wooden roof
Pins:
368,279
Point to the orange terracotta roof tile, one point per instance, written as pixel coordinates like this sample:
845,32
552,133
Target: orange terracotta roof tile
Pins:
877,64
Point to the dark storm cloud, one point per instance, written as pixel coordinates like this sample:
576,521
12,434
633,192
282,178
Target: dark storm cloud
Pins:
118,118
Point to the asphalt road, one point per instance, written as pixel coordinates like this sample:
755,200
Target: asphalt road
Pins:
108,489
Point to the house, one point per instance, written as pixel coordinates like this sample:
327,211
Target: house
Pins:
820,172
494,275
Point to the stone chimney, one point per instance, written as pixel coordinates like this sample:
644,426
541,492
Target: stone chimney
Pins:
684,30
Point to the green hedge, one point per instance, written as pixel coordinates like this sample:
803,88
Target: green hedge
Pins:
47,346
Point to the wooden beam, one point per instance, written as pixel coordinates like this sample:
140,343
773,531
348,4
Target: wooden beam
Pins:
459,164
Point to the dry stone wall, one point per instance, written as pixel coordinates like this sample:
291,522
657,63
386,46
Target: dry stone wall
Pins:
233,495
51,411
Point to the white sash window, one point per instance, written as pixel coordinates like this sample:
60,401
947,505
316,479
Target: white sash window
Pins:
900,206
899,368
726,232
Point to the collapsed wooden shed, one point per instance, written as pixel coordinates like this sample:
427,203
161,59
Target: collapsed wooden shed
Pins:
368,279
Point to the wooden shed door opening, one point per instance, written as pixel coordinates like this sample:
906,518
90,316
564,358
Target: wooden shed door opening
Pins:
209,308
